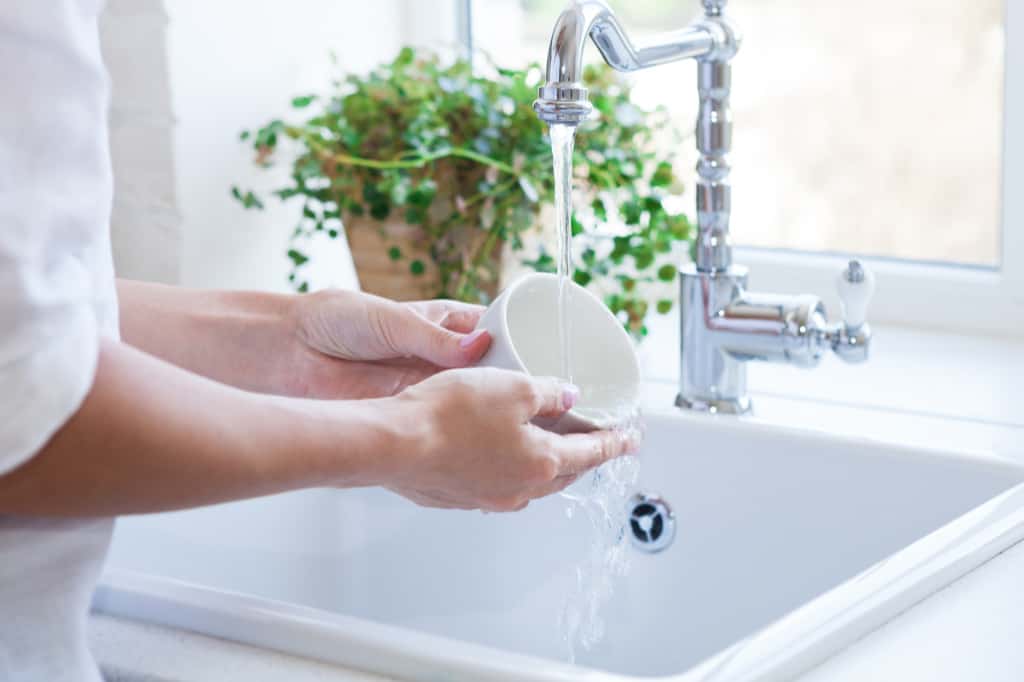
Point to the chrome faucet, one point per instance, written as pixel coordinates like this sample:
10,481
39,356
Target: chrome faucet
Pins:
722,324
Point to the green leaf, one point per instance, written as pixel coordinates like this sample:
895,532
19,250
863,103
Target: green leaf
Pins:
297,257
405,57
423,194
630,212
303,101
308,169
416,267
679,225
619,249
394,253
247,199
667,273
543,263
664,306
582,277
663,175
414,215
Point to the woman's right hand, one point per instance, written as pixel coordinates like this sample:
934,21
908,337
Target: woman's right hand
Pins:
473,446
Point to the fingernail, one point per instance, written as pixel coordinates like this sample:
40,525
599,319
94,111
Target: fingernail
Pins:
631,440
470,338
570,394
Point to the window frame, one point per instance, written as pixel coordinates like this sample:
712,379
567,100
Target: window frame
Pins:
945,296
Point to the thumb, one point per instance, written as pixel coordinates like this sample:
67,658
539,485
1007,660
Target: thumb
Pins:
426,340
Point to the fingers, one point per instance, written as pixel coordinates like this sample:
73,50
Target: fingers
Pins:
551,397
556,486
461,321
578,453
416,335
452,315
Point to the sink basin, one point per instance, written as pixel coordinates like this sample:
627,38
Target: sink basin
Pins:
789,544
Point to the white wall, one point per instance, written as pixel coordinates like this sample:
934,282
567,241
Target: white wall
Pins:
146,226
236,64
188,75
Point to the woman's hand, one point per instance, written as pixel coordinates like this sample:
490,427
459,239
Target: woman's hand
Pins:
473,446
331,344
356,345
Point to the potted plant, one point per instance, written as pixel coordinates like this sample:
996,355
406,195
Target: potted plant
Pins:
434,170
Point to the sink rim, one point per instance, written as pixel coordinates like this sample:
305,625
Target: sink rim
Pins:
788,646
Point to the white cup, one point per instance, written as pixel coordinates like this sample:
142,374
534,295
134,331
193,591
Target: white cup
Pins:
523,324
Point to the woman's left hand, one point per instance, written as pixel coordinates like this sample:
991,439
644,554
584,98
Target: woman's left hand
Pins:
356,345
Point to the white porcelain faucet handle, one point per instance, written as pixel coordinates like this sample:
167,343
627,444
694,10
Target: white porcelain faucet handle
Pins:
855,284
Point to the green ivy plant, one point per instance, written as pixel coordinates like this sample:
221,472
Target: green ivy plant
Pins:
462,155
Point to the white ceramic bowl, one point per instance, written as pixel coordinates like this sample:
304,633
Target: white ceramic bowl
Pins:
523,324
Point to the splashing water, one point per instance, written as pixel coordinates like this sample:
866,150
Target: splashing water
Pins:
601,495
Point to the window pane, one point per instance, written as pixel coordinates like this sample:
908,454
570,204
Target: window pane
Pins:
870,127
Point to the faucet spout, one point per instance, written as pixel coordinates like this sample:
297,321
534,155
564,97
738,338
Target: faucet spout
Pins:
723,325
712,40
562,98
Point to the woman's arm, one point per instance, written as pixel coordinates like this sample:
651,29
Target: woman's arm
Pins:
331,344
240,338
152,437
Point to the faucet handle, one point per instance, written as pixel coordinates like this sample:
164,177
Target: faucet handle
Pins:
855,284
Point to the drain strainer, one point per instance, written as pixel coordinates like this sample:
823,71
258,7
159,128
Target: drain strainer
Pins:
651,523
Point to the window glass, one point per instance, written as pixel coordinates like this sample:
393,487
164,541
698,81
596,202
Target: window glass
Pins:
870,127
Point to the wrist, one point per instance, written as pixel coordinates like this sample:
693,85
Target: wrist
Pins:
403,429
351,443
296,362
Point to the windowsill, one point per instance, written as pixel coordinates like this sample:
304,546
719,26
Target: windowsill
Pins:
921,388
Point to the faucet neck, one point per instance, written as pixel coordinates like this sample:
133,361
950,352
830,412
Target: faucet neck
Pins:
562,98
714,142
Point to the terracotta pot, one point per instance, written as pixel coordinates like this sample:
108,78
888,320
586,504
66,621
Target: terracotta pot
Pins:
369,242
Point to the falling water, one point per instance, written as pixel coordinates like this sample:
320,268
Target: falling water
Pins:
562,138
601,494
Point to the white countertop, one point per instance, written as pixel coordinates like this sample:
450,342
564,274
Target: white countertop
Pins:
930,390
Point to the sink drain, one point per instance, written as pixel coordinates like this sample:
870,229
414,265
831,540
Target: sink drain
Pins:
651,522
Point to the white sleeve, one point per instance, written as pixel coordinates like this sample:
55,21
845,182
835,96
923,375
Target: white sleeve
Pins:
55,195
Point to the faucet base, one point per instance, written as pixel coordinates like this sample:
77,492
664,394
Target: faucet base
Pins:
723,406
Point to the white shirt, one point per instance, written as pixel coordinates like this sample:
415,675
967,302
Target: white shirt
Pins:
57,298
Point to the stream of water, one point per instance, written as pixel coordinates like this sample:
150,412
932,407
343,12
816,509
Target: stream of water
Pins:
601,495
562,139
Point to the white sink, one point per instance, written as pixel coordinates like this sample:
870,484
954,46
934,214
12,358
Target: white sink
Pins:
768,520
